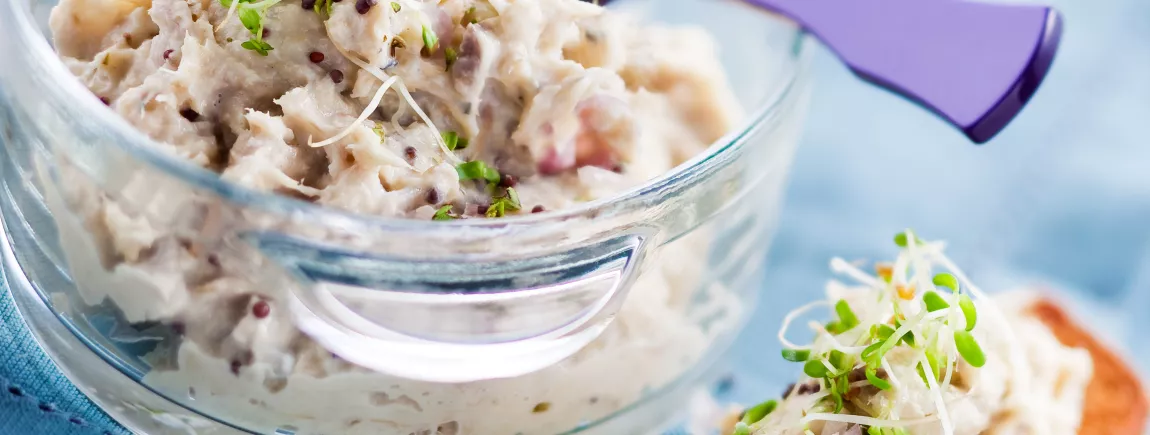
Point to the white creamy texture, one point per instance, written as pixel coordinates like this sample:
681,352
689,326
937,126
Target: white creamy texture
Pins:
576,103
1046,397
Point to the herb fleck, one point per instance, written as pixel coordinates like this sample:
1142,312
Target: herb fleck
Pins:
444,214
430,41
449,57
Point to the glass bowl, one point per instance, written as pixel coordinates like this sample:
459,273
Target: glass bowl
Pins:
603,318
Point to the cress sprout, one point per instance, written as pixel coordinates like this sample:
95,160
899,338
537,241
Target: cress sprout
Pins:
883,317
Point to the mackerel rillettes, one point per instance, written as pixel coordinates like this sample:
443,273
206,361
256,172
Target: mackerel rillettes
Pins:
427,110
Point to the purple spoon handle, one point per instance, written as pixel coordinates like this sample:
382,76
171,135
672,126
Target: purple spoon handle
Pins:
974,64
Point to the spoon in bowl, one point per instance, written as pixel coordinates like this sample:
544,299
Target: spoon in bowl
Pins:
974,64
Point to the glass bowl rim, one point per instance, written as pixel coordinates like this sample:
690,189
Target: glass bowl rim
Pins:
141,147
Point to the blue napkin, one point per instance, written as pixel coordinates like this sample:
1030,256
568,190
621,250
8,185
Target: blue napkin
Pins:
35,398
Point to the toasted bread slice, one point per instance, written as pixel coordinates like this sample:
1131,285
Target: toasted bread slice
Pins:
1115,401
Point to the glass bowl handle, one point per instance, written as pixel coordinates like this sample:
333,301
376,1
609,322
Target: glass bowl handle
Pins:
454,321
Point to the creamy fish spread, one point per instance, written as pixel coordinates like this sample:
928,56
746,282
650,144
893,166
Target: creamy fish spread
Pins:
430,110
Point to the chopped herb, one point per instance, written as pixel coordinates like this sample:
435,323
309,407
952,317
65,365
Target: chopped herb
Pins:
323,7
477,170
503,204
379,130
969,349
480,11
934,302
796,355
946,280
397,44
444,214
449,57
968,311
430,41
757,412
469,16
395,6
454,141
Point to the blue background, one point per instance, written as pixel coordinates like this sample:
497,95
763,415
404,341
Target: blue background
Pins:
1061,197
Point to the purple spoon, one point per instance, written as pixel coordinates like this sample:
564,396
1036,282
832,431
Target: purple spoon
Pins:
973,64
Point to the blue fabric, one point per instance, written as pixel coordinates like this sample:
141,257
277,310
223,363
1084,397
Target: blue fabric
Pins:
1063,196
35,398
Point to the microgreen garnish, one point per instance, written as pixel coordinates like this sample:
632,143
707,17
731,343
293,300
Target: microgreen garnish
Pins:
798,355
872,377
968,311
913,326
815,368
395,6
379,130
251,15
882,332
872,352
838,360
846,321
900,239
444,214
454,141
946,280
935,366
969,349
757,412
934,302
908,338
741,429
